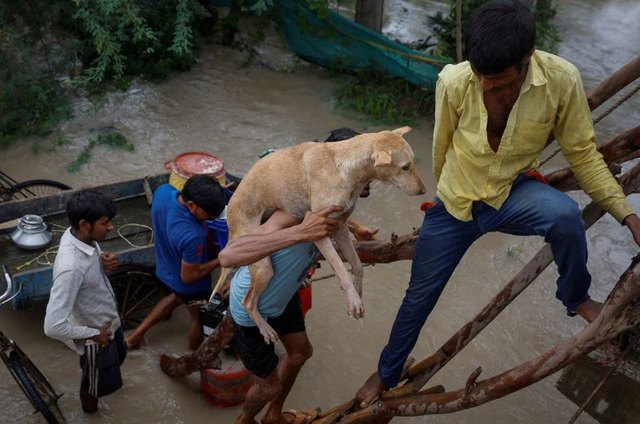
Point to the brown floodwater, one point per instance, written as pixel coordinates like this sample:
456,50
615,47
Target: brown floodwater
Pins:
236,113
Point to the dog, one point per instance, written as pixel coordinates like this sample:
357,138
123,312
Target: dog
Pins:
313,176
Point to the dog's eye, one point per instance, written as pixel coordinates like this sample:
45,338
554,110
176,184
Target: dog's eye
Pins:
406,167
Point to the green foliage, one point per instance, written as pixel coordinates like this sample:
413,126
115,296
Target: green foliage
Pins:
144,37
386,98
321,7
46,44
57,142
30,103
31,99
445,27
114,140
340,64
547,34
513,252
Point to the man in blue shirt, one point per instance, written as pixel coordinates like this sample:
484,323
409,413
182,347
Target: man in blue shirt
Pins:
182,262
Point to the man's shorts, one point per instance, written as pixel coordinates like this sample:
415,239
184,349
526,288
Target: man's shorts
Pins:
259,357
101,366
190,298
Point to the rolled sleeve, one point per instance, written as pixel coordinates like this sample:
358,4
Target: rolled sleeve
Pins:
574,131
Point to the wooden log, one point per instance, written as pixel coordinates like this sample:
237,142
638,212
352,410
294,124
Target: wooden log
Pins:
397,248
622,148
614,83
618,315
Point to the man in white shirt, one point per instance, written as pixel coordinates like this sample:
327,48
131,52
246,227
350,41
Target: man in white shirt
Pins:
82,309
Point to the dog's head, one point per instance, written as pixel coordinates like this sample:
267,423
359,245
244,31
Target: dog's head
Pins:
394,161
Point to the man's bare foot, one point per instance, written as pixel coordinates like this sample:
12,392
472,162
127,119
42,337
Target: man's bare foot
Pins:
371,390
166,362
291,416
589,310
134,343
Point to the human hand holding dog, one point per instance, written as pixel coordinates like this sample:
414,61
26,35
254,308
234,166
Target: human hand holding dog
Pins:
318,225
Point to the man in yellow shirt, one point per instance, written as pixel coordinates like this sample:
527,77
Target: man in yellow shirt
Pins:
494,114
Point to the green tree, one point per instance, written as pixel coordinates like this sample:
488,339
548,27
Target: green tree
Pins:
93,44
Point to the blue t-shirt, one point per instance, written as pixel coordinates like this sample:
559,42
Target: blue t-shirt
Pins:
290,266
179,236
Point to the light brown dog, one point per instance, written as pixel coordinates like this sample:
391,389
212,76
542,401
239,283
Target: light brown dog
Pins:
313,176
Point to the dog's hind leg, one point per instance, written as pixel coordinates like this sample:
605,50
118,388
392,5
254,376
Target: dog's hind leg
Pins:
356,308
341,236
261,273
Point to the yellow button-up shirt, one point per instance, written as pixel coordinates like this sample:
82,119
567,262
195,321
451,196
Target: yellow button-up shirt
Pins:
551,99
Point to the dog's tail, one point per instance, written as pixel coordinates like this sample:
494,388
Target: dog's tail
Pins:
221,280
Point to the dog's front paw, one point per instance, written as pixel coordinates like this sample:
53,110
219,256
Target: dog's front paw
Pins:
269,334
357,284
356,307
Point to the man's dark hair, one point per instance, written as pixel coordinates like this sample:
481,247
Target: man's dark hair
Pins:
91,205
341,134
499,34
206,192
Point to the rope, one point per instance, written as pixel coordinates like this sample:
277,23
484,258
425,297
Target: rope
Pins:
43,258
136,225
598,119
45,254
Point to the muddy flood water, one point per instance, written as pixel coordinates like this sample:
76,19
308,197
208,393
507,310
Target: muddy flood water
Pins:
236,113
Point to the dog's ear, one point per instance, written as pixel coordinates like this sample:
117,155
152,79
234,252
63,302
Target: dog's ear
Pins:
402,131
381,158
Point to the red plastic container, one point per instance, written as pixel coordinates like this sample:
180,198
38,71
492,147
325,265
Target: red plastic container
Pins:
305,299
228,386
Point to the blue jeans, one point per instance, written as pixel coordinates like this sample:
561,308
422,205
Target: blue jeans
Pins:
532,208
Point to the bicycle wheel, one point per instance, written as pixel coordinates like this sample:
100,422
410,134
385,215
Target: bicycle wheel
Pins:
27,382
137,291
39,188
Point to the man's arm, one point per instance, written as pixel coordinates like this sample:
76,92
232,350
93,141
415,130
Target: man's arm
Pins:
575,133
193,272
633,223
280,231
446,121
62,298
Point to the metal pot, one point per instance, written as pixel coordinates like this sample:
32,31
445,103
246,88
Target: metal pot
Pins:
31,233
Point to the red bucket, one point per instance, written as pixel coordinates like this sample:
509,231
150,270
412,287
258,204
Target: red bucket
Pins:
228,386
186,165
